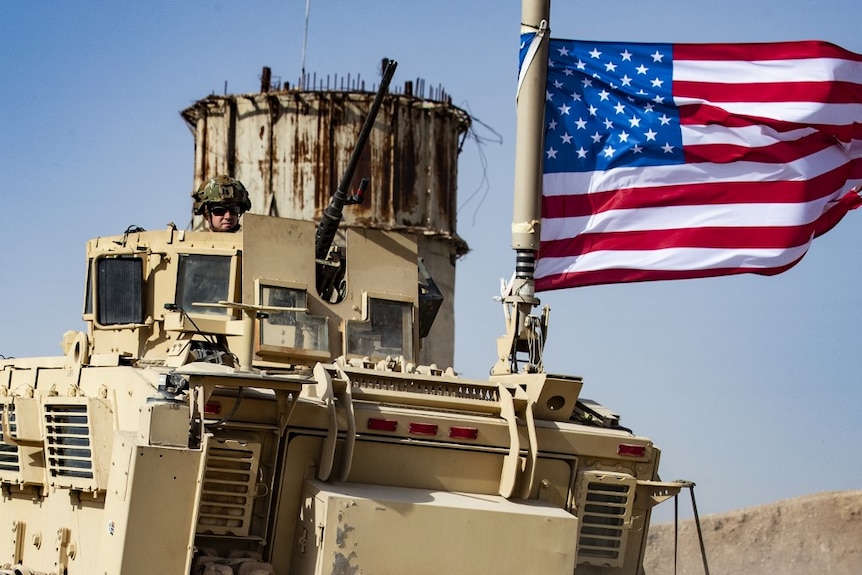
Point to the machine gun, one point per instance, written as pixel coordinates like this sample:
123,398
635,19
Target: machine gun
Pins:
330,267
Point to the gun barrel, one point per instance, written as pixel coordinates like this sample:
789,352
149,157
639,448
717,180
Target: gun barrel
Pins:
332,214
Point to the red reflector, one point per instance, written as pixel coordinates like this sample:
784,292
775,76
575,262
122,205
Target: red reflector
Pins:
212,408
463,432
382,424
631,450
423,429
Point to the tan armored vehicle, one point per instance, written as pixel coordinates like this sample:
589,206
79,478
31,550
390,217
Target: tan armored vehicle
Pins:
250,403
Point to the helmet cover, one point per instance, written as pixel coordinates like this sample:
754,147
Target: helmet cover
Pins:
220,190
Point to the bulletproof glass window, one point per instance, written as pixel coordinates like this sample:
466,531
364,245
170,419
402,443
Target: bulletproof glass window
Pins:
387,331
291,331
203,279
120,291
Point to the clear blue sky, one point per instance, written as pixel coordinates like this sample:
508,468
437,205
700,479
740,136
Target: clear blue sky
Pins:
750,385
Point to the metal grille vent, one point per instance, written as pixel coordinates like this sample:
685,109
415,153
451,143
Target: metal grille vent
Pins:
373,382
227,498
605,506
9,459
78,438
68,442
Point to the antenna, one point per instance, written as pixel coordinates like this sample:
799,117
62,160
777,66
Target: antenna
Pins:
304,42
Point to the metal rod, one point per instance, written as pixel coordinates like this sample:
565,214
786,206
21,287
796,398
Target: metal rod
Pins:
699,531
675,530
304,43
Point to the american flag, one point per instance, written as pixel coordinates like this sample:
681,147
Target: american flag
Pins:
668,161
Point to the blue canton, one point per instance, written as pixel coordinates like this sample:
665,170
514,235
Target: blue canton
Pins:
609,105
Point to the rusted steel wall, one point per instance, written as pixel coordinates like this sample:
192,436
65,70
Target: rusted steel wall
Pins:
290,149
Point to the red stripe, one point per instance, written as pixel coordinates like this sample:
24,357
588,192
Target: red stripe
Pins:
729,238
611,276
777,153
832,92
850,201
763,51
711,193
705,114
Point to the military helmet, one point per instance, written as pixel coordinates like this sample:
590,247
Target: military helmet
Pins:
221,190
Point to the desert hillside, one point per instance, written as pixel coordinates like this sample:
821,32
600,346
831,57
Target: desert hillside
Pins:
813,535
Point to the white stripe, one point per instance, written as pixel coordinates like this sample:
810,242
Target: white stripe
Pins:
573,183
682,217
743,72
800,112
670,259
747,136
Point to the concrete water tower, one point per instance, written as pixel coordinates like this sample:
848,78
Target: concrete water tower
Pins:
290,148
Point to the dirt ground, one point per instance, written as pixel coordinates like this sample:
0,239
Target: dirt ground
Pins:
817,534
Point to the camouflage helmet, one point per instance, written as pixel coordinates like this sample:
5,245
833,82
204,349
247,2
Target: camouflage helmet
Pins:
221,190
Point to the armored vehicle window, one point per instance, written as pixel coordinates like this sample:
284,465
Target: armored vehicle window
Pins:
203,279
291,330
119,291
388,331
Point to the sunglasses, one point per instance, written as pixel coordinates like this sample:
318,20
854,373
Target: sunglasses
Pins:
222,210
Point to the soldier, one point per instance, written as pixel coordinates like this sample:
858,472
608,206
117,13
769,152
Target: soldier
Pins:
221,200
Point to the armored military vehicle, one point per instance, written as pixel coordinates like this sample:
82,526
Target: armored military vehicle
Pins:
250,403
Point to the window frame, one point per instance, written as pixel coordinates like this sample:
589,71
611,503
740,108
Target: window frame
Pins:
264,349
409,337
233,284
92,303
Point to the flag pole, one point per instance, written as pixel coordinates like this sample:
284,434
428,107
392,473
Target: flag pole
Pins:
520,299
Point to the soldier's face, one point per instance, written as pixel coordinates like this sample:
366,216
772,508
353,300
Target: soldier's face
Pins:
224,218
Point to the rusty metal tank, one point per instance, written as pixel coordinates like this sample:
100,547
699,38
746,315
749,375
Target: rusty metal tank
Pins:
290,147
